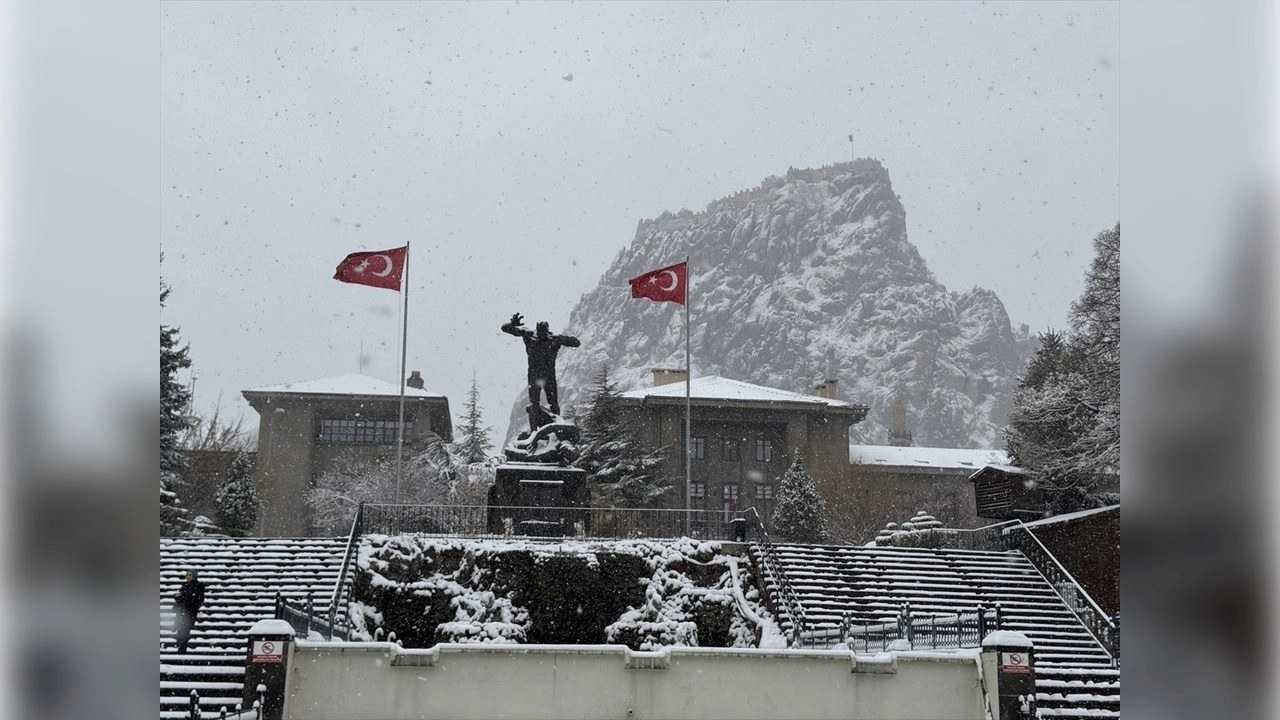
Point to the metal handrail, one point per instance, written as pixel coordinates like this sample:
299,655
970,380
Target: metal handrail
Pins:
787,594
340,586
1065,573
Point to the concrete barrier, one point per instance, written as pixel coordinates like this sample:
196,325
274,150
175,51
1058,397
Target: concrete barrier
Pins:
350,681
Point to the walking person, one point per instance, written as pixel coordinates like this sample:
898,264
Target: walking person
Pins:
187,602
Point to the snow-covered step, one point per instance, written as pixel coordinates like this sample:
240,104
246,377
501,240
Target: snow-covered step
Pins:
1075,675
242,577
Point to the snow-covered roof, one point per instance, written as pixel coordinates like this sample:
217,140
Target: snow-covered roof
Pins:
353,384
1072,516
715,387
926,457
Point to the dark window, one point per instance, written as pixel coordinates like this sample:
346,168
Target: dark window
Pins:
697,490
729,451
698,448
361,432
730,494
764,450
764,492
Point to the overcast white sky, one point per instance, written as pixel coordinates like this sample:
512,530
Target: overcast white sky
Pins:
517,145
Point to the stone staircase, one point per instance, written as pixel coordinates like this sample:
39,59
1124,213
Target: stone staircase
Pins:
1075,676
241,577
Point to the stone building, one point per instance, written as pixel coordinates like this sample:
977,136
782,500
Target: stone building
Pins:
742,437
887,483
308,427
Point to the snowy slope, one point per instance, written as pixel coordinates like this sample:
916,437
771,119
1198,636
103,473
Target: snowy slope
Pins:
808,276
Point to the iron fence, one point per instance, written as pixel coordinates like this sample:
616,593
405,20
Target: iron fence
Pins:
566,522
304,619
253,713
924,631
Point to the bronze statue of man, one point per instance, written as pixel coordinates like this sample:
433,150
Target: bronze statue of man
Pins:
542,348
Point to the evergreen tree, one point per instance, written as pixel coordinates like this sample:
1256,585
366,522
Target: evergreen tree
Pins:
800,515
624,473
1065,422
174,401
474,437
237,499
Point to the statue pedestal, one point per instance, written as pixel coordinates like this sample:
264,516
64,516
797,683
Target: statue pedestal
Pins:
539,499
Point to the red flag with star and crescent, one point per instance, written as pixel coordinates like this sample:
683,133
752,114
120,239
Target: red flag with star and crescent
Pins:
378,268
662,285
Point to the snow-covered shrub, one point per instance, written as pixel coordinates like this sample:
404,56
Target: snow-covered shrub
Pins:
641,593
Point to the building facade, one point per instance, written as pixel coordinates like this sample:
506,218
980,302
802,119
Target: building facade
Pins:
743,437
887,483
306,428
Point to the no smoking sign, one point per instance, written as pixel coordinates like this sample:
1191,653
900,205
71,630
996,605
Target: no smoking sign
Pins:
267,651
1013,662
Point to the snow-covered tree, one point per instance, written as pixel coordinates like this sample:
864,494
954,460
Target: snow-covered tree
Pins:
623,472
800,515
428,477
474,437
1065,422
174,401
237,499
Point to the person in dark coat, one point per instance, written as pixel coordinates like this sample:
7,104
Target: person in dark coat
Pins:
187,602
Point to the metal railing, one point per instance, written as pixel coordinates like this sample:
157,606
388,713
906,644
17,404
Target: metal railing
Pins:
784,594
925,631
330,623
304,619
1103,627
566,522
253,713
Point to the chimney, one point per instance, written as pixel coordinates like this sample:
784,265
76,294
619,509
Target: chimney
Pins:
826,389
899,435
666,376
415,380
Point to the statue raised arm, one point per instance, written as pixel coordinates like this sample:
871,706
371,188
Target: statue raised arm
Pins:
542,348
514,327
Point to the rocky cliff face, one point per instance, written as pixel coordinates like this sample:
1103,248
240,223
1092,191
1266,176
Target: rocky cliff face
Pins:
805,277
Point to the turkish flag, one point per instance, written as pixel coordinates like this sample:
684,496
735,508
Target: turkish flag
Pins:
662,285
379,268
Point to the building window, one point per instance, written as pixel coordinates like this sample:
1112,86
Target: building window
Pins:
698,448
764,501
697,490
361,432
729,451
764,450
730,494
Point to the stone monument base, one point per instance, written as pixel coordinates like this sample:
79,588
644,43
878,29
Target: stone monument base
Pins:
539,499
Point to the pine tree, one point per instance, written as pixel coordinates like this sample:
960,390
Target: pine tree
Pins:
623,472
237,499
474,437
800,515
1065,423
174,401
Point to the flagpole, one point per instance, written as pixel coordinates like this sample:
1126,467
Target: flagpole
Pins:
688,383
404,333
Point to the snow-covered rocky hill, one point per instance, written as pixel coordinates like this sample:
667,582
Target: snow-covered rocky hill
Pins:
805,277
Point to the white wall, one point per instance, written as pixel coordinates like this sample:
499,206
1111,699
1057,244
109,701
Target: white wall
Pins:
378,680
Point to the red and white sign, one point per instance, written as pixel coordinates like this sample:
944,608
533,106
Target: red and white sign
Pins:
1015,662
267,651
